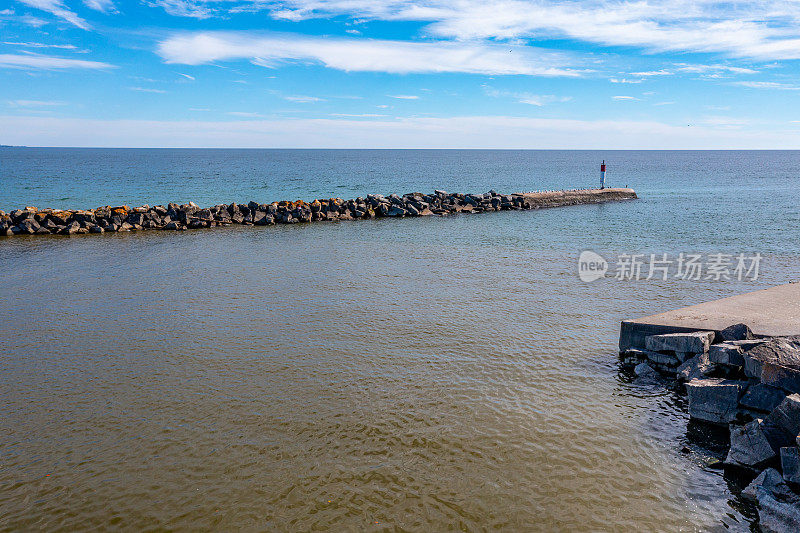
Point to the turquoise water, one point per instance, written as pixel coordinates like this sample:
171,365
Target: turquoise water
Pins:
419,373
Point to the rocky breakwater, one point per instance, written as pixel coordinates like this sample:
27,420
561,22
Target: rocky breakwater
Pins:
33,221
753,387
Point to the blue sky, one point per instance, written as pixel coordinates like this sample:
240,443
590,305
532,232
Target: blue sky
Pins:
400,73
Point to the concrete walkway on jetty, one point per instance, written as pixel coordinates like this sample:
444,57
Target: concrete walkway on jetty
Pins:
773,312
33,221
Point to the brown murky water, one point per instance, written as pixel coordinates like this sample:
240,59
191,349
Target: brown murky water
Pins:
439,374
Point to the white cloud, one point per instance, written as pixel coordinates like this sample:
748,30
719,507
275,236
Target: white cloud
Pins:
244,114
404,96
766,85
764,29
184,8
537,100
43,62
624,80
6,12
41,45
455,132
147,90
34,103
624,98
663,103
57,8
661,72
105,6
702,69
365,55
357,115
186,76
299,99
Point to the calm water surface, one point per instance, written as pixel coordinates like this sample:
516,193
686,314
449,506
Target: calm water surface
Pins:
420,374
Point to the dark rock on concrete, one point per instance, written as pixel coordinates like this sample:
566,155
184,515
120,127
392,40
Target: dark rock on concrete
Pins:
736,332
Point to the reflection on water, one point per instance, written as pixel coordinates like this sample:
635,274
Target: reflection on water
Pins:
354,375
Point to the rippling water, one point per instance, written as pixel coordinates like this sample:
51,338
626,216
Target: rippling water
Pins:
417,374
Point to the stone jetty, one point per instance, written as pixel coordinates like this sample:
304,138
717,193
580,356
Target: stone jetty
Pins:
33,221
734,377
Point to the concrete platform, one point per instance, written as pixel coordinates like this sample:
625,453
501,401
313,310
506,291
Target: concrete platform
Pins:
769,312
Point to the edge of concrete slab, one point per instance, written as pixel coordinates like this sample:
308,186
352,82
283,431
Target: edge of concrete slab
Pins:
771,312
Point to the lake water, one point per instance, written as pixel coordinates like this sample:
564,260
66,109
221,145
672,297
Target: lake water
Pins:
415,374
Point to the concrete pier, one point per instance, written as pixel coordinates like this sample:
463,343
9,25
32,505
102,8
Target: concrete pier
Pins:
769,313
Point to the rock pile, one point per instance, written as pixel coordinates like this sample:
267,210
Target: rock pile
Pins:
753,386
32,221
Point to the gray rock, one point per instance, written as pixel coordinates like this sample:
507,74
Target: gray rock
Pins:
714,400
783,377
736,332
396,211
770,479
778,514
778,352
760,397
787,416
71,229
661,359
645,370
790,464
695,342
698,366
750,446
726,354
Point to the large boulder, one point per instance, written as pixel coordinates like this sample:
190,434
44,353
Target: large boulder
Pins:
778,514
726,354
750,446
787,416
736,332
790,464
714,400
771,480
695,342
760,397
775,362
697,367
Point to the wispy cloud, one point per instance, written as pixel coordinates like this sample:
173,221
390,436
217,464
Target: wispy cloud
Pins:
57,8
147,90
41,45
537,100
244,114
624,80
300,99
404,96
105,6
34,103
186,76
44,62
765,29
766,85
624,98
365,55
662,72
